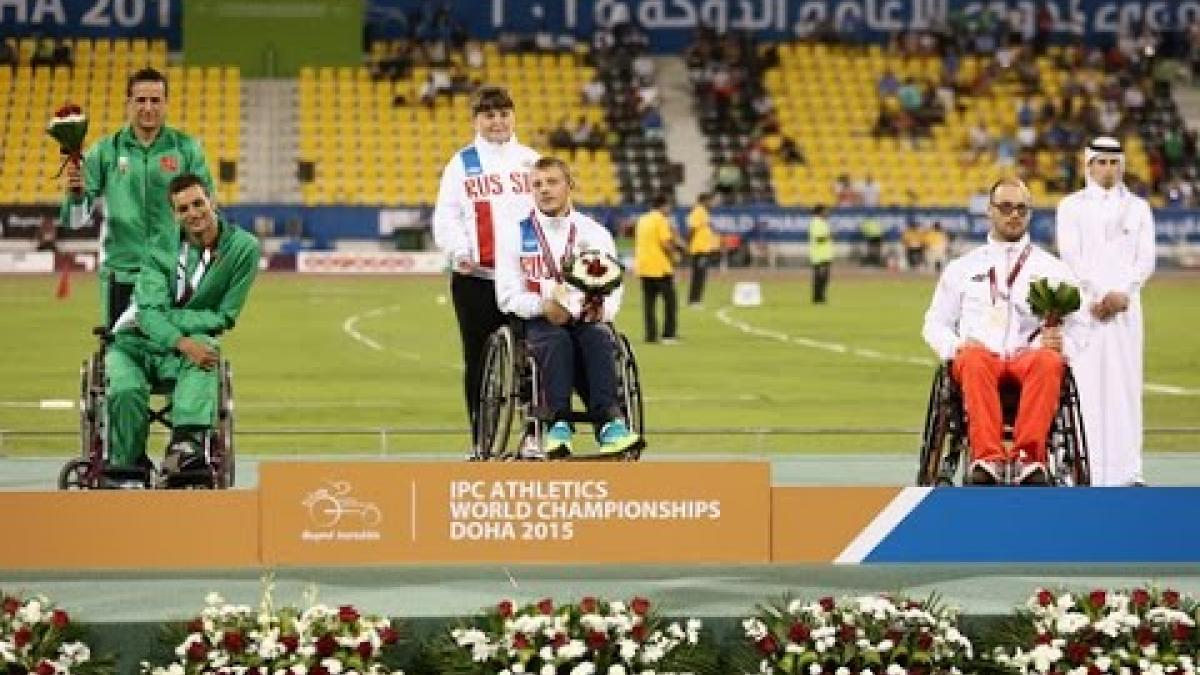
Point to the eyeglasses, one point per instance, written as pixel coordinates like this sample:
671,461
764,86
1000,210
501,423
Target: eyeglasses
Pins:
1007,208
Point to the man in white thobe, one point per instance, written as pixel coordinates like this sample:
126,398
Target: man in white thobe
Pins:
1106,236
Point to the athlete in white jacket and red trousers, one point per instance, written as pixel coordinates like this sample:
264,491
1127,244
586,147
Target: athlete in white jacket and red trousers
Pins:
484,190
1106,236
562,325
980,317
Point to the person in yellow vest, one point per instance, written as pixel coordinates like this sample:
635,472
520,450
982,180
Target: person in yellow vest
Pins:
703,247
820,252
913,241
655,244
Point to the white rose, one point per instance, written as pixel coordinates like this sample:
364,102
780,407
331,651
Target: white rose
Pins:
814,669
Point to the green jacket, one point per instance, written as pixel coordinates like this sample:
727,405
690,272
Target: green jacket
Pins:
217,301
132,179
820,241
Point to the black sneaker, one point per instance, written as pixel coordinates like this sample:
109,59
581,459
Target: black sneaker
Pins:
985,472
183,456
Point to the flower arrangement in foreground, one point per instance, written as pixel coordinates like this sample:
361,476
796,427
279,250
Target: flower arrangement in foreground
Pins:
228,639
1122,632
866,635
37,637
591,637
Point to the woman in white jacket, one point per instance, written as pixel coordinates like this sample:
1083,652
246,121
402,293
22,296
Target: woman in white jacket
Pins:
1106,236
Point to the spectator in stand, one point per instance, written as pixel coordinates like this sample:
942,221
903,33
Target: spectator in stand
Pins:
62,53
8,53
888,84
844,193
652,123
790,152
43,53
582,134
913,241
560,137
594,91
869,191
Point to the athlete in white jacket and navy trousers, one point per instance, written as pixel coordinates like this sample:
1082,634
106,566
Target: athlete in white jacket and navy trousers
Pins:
561,325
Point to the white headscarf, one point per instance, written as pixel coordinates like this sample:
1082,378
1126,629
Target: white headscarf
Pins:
1107,147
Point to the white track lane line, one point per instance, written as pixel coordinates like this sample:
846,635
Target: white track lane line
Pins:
724,317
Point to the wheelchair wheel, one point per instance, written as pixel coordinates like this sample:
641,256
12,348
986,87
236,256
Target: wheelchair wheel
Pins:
941,441
497,395
630,387
224,457
76,475
84,472
1067,448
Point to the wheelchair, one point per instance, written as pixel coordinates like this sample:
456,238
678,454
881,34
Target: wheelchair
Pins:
87,471
512,411
945,453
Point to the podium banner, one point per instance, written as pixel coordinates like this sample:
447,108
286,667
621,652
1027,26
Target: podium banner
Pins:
390,512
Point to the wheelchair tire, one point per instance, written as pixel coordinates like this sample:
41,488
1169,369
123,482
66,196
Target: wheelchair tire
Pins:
498,395
225,459
1072,466
933,438
74,475
630,383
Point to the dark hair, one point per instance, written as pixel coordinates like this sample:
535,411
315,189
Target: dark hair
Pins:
491,97
819,209
145,75
703,197
184,181
660,200
548,162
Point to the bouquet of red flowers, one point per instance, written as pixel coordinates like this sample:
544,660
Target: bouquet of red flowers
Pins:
69,127
38,638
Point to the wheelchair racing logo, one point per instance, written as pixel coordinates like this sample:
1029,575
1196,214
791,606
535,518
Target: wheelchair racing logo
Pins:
332,507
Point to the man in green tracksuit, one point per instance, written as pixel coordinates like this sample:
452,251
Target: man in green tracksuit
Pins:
124,181
820,252
192,286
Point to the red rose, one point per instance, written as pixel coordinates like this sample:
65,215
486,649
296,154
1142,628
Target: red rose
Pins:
848,633
1077,653
1093,670
317,670
1097,598
234,642
197,651
253,670
924,640
1139,598
1145,636
22,637
827,603
347,614
767,645
290,642
596,639
326,645
59,619
1045,598
546,606
505,608
913,604
520,641
896,636
1180,632
44,667
587,605
559,640
196,625
1170,598
365,649
640,606
389,635
798,633
1043,639
639,633
11,605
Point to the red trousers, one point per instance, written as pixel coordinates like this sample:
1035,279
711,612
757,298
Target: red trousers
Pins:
979,373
